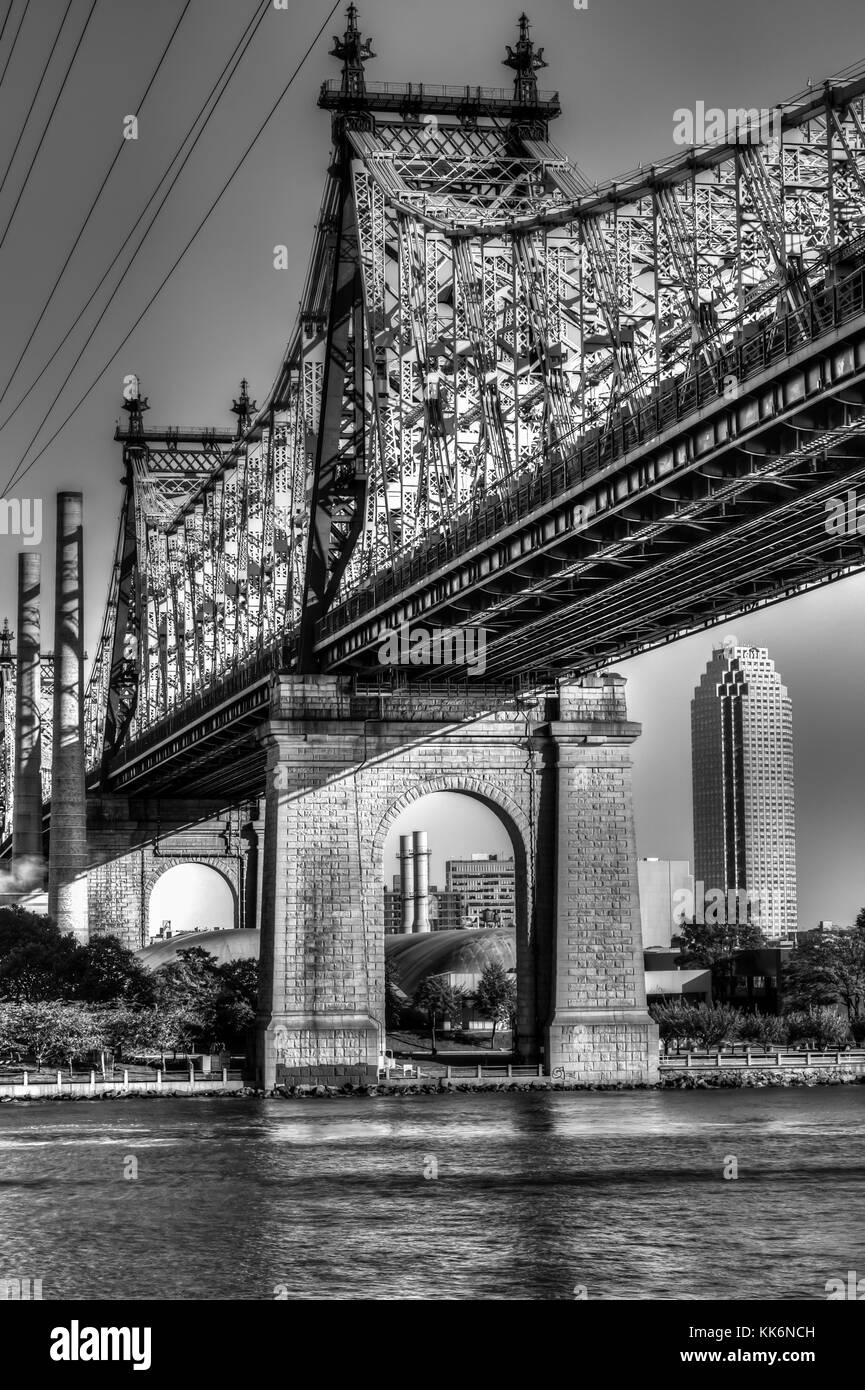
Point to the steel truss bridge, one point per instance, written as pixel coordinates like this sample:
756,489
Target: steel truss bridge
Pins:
589,419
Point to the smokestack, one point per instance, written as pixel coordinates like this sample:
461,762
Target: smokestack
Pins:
421,881
67,859
27,808
406,881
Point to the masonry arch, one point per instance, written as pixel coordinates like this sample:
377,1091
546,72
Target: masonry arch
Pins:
483,896
190,894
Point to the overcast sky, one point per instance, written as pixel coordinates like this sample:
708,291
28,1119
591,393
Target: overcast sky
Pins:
622,68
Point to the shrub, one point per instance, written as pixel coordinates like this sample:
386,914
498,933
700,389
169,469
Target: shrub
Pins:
818,1026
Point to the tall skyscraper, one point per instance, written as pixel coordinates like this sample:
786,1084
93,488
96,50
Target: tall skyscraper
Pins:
742,769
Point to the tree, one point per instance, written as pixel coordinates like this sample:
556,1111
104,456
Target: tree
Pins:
191,980
807,974
11,1047
713,1024
714,946
35,957
828,970
394,999
37,1028
77,1033
105,970
225,1013
767,1030
496,996
818,1026
674,1020
47,1030
438,1002
847,971
241,978
165,1028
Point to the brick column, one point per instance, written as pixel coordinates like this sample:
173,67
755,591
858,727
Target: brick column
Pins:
321,1011
600,1030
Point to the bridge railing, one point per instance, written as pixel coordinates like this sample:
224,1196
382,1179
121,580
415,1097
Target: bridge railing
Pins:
243,676
418,92
765,346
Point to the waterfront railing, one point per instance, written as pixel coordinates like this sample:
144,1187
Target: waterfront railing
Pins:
772,1057
32,1083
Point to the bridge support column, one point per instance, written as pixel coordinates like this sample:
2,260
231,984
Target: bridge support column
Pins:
67,856
600,1029
344,766
322,959
27,814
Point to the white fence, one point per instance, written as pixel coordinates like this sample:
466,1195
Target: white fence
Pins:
777,1057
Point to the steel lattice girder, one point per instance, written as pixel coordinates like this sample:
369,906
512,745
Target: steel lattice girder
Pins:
473,311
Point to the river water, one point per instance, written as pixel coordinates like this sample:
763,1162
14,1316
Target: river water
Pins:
490,1196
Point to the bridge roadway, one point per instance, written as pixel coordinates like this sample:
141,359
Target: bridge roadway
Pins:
707,501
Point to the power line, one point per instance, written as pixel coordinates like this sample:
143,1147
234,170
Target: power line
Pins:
48,122
253,142
235,59
15,40
6,19
36,95
85,223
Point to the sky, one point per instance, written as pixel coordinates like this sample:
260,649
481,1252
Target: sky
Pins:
622,68
190,897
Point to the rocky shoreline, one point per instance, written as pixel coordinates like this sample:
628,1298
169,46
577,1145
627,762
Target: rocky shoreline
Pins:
670,1081
684,1080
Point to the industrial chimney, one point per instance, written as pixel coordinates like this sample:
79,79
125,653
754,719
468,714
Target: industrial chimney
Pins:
27,809
406,882
421,881
67,848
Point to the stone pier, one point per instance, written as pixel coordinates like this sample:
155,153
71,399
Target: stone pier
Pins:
68,855
344,764
600,1029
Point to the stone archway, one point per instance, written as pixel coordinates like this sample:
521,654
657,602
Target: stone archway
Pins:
522,838
158,868
340,769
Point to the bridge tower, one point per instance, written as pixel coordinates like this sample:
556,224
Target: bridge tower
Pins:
345,755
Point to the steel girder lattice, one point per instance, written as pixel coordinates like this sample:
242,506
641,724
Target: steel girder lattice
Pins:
472,307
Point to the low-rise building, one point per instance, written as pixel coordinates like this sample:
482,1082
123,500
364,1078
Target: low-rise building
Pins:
487,886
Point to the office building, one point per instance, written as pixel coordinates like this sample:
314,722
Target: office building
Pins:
487,887
742,769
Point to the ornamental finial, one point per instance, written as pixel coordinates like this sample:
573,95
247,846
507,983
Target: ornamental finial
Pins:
354,50
525,62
